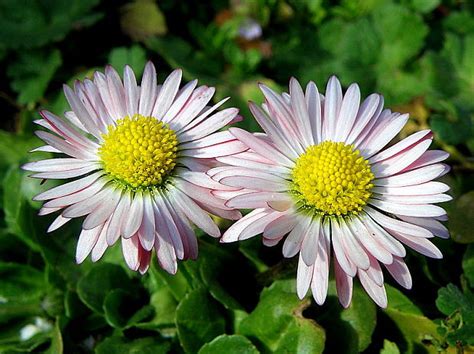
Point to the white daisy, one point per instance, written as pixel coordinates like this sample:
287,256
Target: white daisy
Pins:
320,174
138,156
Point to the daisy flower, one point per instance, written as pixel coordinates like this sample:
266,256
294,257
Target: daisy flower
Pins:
321,175
138,156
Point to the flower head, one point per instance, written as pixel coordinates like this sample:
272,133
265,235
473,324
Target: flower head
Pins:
138,156
321,178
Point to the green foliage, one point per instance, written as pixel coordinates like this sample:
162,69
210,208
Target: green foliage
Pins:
234,298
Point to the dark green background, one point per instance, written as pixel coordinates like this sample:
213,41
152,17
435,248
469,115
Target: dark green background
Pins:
237,298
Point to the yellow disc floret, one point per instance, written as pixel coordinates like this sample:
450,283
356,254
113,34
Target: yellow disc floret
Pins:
139,152
332,179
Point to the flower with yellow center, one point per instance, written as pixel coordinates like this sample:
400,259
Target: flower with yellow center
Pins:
332,179
139,152
320,179
137,156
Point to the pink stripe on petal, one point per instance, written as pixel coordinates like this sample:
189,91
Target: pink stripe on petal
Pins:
313,104
255,183
319,284
131,91
332,106
135,216
224,149
300,112
340,251
419,210
303,278
210,125
375,272
87,240
280,226
400,272
273,132
57,223
419,189
428,158
376,292
130,252
256,200
165,253
68,188
204,114
78,107
180,100
194,213
415,199
348,113
343,285
188,237
88,205
101,244
293,241
421,245
167,94
116,91
309,247
354,252
414,177
196,103
118,219
370,243
256,227
165,225
402,146
146,232
369,111
148,90
397,225
260,147
400,161
381,135
383,237
233,233
65,147
104,212
432,225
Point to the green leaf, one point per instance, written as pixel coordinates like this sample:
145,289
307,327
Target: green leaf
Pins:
418,331
356,323
18,214
225,344
31,73
278,324
461,217
121,345
402,34
425,5
94,286
22,289
389,348
33,23
134,56
459,307
468,264
198,320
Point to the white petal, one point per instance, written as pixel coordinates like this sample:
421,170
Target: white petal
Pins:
293,241
167,94
399,271
134,217
303,278
87,240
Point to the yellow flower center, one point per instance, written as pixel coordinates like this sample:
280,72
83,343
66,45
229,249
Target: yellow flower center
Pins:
332,179
139,152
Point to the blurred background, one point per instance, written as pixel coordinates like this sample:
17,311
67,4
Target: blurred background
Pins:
236,298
